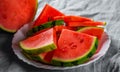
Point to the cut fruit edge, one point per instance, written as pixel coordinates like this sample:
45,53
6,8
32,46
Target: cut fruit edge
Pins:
13,31
92,47
42,49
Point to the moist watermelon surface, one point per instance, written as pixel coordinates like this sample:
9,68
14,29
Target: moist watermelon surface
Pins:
86,23
71,18
47,14
94,31
39,43
16,13
74,48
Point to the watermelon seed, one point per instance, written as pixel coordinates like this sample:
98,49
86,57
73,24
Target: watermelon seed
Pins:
73,45
81,40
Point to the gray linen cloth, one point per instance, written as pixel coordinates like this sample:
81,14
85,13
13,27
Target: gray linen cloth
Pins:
99,10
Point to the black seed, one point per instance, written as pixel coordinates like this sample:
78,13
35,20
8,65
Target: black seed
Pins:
72,45
81,40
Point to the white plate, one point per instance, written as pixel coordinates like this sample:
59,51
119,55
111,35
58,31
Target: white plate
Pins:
21,33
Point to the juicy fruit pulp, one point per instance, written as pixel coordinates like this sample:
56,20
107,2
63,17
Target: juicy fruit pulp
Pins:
76,21
16,13
94,31
42,42
47,14
73,47
71,18
87,23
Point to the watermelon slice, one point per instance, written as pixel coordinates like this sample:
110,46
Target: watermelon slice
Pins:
46,25
47,14
87,23
42,57
39,57
58,29
94,31
42,42
72,18
16,13
48,57
74,48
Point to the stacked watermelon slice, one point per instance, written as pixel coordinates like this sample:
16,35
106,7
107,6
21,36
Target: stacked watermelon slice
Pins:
61,40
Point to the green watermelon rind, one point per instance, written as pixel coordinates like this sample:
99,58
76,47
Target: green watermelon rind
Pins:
43,26
32,57
38,57
79,60
42,49
85,28
13,31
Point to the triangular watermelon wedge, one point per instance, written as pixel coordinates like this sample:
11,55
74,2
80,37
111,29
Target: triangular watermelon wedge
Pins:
74,48
86,23
40,43
47,14
71,18
94,31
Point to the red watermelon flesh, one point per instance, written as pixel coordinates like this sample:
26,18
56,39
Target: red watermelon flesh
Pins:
40,31
47,14
38,39
71,18
16,13
48,56
94,31
59,29
87,23
73,46
42,42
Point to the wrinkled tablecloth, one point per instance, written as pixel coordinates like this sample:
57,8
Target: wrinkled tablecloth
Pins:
99,10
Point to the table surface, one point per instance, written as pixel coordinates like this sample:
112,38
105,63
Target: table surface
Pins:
100,10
